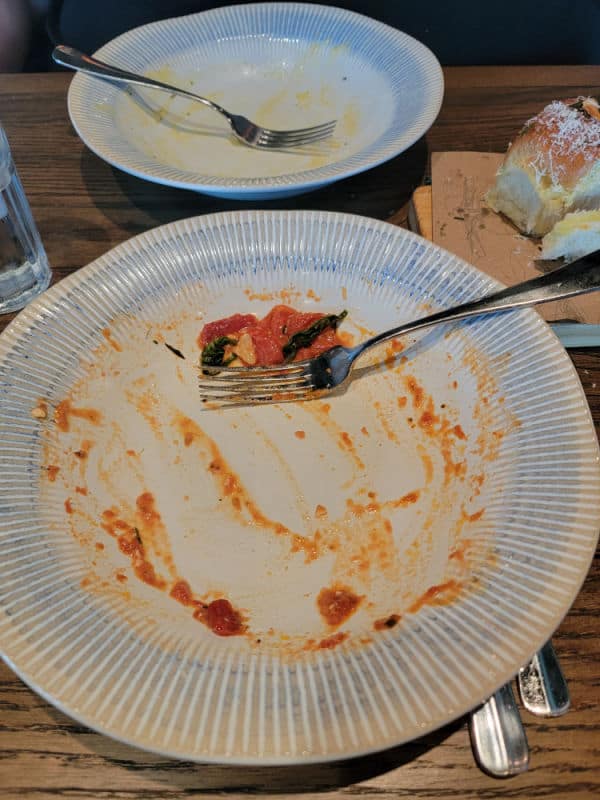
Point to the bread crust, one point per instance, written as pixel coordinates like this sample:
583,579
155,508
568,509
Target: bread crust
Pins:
552,167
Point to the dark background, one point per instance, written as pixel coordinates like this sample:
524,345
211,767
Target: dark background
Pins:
464,32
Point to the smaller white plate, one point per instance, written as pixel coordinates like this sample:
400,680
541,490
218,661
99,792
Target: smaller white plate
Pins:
283,65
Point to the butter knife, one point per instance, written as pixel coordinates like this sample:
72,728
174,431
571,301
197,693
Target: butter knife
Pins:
498,738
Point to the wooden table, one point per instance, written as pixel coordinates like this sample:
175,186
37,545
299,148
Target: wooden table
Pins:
84,207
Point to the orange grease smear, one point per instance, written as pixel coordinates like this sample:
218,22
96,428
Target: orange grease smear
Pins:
439,595
131,544
52,471
332,641
65,410
115,345
416,391
84,450
230,485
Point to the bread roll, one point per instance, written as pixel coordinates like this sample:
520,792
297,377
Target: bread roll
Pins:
573,236
551,168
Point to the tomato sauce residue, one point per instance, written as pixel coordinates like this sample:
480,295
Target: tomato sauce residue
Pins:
137,540
377,506
221,617
416,391
285,295
438,595
52,471
65,410
228,482
439,427
346,440
392,350
108,336
146,507
300,434
269,335
84,450
332,641
131,544
182,592
459,553
337,604
387,622
68,506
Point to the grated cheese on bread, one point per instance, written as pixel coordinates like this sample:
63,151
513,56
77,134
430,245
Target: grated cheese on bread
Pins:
552,167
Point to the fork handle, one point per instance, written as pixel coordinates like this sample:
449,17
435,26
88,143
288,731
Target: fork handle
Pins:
75,59
578,277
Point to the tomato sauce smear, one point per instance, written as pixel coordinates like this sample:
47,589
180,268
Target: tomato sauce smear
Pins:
270,334
221,618
219,615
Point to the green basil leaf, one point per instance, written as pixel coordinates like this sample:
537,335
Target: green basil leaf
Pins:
213,353
306,337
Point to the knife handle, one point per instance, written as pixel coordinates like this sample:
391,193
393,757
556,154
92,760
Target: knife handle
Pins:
542,685
497,735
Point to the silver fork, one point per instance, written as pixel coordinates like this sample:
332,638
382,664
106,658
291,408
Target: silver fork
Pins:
247,131
302,379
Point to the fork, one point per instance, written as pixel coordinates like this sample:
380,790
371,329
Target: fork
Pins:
246,131
301,380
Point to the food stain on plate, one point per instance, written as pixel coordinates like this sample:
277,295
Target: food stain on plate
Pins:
294,526
312,85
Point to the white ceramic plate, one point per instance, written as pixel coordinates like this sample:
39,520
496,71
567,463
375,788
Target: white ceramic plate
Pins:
283,65
456,489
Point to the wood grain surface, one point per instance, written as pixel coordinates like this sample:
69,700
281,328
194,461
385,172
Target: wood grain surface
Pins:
83,208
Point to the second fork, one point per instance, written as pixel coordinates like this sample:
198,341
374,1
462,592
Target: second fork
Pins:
246,131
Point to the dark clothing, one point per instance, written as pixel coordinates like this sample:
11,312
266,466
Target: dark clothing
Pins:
467,32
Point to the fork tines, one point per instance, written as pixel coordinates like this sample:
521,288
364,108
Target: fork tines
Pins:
295,138
239,385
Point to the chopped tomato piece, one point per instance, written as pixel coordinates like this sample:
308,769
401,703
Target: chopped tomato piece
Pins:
270,334
224,327
266,345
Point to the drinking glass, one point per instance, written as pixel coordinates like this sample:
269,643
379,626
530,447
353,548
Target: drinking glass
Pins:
24,268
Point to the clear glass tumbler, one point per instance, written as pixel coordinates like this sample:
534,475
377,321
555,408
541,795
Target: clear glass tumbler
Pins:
24,268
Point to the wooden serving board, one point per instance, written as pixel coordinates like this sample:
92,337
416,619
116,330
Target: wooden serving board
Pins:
452,212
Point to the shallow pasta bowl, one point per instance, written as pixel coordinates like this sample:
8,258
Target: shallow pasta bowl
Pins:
286,65
393,554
